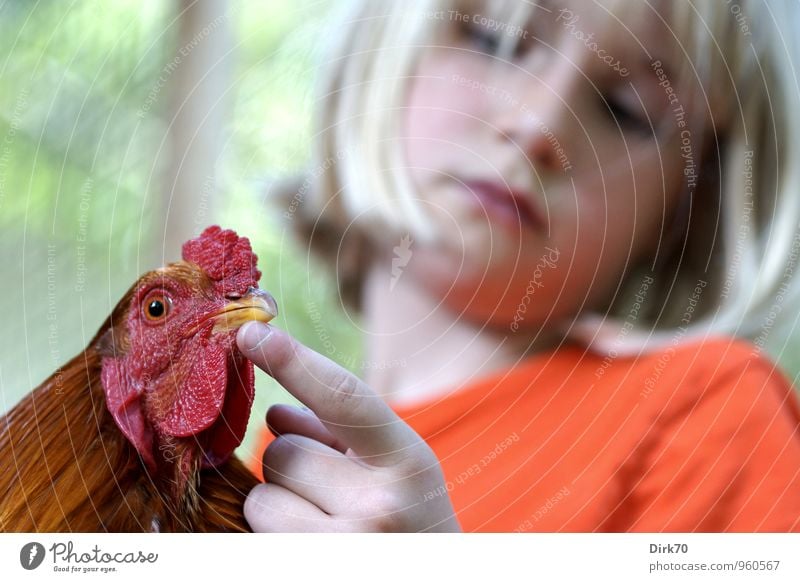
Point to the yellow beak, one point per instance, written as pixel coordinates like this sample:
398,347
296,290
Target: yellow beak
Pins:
256,305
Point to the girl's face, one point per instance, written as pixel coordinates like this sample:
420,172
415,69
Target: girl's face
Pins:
550,171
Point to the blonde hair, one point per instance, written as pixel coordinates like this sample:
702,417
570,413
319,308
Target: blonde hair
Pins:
740,242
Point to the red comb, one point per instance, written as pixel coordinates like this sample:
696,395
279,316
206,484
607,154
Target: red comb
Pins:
226,257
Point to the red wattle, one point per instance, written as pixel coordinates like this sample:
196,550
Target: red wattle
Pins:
228,431
198,394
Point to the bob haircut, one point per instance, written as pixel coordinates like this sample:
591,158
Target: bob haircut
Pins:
726,261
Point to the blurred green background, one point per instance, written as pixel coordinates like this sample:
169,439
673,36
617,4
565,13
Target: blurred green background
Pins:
87,184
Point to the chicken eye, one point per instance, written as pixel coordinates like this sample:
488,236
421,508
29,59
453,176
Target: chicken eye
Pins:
156,307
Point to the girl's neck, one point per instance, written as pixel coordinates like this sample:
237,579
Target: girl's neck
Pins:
418,349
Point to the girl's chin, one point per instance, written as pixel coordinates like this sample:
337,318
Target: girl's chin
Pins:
499,226
480,248
481,275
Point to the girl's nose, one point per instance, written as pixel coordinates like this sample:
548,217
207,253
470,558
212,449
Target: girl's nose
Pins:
539,122
536,138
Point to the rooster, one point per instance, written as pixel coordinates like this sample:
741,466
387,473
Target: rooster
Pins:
136,433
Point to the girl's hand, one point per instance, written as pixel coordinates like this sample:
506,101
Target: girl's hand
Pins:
347,464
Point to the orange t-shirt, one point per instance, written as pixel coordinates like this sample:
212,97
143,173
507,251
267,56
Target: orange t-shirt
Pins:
699,437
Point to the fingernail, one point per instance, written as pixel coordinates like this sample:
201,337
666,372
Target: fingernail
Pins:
254,334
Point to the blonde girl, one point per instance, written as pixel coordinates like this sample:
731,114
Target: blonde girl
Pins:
575,225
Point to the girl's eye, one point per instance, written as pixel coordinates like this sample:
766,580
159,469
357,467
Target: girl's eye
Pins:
156,306
487,35
481,39
625,117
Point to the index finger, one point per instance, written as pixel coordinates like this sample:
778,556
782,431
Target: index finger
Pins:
347,407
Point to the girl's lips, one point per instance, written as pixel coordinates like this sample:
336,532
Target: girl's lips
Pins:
507,205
